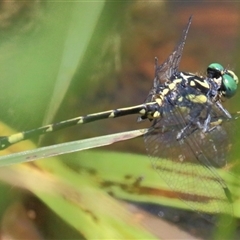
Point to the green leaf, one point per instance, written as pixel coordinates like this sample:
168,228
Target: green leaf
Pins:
80,31
69,147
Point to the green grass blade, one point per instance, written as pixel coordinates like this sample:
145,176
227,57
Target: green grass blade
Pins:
84,18
77,200
68,147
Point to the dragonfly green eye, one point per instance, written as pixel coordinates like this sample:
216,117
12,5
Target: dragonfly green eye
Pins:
229,83
215,70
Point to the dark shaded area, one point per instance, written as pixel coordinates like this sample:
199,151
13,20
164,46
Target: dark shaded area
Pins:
190,222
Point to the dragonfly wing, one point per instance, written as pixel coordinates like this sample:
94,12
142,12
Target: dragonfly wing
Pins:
166,70
186,164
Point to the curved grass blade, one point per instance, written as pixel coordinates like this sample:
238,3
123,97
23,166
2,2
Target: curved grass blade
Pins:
143,183
69,147
76,43
77,200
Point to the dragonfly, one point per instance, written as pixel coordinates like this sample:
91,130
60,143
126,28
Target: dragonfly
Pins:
188,129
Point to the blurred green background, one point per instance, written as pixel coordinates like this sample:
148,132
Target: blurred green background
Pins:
59,60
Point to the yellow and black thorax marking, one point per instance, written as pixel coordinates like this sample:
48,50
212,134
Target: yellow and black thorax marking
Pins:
195,88
195,82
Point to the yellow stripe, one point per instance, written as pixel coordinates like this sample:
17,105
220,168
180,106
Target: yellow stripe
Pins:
165,91
180,99
197,99
15,137
111,115
159,101
176,81
217,123
142,111
171,86
49,128
192,83
80,121
156,114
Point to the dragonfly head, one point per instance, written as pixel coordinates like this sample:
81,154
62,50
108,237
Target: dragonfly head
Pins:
226,80
229,84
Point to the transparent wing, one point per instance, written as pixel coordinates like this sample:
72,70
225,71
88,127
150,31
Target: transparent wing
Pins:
186,164
164,71
167,69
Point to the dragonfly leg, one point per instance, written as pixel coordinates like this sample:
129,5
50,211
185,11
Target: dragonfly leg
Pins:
183,132
205,126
